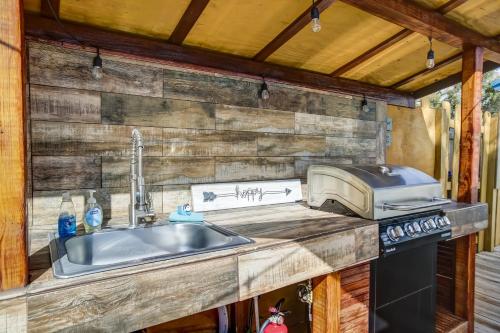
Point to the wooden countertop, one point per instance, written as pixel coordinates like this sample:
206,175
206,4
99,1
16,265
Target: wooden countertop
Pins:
292,243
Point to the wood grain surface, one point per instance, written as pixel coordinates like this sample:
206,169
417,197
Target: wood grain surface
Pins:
327,303
13,257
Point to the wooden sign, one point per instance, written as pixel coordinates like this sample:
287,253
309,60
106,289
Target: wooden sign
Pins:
206,197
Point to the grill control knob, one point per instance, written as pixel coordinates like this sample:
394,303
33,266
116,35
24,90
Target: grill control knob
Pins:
425,225
399,231
391,233
432,223
446,220
441,223
416,227
410,230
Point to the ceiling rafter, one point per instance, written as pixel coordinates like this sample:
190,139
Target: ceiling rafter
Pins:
426,22
138,46
445,8
291,30
187,21
426,71
45,9
451,80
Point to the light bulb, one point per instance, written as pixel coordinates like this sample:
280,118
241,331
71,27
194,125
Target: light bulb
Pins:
97,68
315,24
364,105
430,56
264,92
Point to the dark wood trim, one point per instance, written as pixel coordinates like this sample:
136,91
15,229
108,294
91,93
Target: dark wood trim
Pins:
426,22
291,30
445,8
472,74
13,256
159,50
187,21
426,71
45,8
451,80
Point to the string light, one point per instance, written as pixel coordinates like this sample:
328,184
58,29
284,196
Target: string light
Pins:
264,91
315,24
430,56
364,105
97,67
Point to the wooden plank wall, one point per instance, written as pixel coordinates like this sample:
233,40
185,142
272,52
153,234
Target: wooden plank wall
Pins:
198,127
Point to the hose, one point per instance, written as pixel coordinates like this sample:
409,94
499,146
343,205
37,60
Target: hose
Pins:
263,327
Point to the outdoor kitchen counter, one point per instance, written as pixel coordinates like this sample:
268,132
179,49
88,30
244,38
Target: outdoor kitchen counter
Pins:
466,218
292,243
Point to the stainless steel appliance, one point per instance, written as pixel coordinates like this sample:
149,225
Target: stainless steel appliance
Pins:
407,203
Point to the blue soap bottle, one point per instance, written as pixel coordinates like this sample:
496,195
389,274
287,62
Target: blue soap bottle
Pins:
92,215
67,217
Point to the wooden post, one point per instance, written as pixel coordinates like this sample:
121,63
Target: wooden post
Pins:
472,74
13,259
326,304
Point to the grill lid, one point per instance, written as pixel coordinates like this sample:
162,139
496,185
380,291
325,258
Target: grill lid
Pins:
383,176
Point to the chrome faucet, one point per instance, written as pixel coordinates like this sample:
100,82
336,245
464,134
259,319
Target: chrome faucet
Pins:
141,203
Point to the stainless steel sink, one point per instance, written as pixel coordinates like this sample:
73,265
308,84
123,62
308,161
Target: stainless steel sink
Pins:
117,248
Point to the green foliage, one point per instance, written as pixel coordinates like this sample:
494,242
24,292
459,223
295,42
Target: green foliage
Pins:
490,98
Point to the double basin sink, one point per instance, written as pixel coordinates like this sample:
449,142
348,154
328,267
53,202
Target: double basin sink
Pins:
117,248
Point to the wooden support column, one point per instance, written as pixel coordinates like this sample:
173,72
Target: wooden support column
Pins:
13,260
326,304
472,74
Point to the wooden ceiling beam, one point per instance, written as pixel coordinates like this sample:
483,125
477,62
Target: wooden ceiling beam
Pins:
291,30
138,46
451,80
187,21
426,22
45,9
445,8
426,71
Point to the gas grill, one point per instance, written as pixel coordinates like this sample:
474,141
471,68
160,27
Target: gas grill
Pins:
407,204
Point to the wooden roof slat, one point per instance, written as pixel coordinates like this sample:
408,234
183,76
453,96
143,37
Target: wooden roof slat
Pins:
291,30
45,9
426,71
445,8
451,80
372,52
138,46
426,22
187,21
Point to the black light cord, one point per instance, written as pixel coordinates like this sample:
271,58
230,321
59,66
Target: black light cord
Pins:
56,17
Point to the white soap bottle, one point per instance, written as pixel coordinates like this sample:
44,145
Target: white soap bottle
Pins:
92,215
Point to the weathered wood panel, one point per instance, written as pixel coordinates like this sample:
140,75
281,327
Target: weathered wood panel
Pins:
465,257
290,145
331,104
124,304
13,315
57,138
253,168
187,142
380,142
13,259
70,68
302,163
334,126
159,112
68,105
265,270
351,146
66,172
159,170
174,195
252,119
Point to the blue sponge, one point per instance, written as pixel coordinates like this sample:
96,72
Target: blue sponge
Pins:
184,214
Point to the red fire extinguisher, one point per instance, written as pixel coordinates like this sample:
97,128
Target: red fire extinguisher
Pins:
276,322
